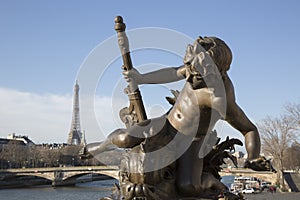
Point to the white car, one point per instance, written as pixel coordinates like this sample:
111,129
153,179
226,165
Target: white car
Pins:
248,191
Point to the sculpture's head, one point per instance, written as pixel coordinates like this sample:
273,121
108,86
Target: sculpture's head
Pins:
216,48
218,51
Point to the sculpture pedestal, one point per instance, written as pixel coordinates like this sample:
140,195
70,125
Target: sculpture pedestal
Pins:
136,183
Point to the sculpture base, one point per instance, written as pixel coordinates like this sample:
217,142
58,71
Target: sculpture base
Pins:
161,184
228,196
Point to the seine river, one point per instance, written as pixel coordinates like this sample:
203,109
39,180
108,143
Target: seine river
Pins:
98,189
84,191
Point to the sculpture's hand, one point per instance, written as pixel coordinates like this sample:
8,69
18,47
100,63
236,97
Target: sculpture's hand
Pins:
132,75
259,164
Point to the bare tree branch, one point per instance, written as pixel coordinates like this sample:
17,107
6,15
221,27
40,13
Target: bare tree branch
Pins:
278,134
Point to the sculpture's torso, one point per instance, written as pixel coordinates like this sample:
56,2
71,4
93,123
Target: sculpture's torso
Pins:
196,111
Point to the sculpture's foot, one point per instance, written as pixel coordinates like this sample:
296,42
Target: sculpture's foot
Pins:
103,147
259,164
92,150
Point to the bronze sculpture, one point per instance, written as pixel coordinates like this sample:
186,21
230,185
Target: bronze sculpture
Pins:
178,155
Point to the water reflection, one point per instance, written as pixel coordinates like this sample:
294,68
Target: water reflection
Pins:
89,191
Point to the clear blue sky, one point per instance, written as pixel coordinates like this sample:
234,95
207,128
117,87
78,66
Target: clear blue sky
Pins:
43,44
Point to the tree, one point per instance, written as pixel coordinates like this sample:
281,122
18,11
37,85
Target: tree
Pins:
277,135
34,158
14,154
293,110
70,155
291,159
293,114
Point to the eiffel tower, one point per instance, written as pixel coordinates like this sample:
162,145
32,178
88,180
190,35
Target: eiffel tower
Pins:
75,135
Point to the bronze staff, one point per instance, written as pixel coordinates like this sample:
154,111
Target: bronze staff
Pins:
136,111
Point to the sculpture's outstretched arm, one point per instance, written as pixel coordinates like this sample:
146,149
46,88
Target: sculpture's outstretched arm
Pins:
236,117
165,75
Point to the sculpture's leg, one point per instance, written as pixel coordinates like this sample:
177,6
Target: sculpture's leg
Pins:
128,138
92,149
119,138
124,139
189,170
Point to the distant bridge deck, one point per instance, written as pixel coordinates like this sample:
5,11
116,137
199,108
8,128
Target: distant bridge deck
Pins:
62,175
63,169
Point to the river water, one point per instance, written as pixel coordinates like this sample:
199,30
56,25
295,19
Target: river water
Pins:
84,191
97,189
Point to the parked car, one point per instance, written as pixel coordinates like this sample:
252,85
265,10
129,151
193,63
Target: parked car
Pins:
248,191
265,185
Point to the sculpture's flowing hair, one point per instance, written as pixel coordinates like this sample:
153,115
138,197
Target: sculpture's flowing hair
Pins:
220,53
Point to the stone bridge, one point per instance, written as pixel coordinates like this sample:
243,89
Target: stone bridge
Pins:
263,175
62,175
68,175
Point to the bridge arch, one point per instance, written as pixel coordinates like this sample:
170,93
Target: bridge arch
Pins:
66,175
62,175
73,176
47,176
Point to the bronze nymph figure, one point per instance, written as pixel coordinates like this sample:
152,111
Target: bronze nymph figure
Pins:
190,154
